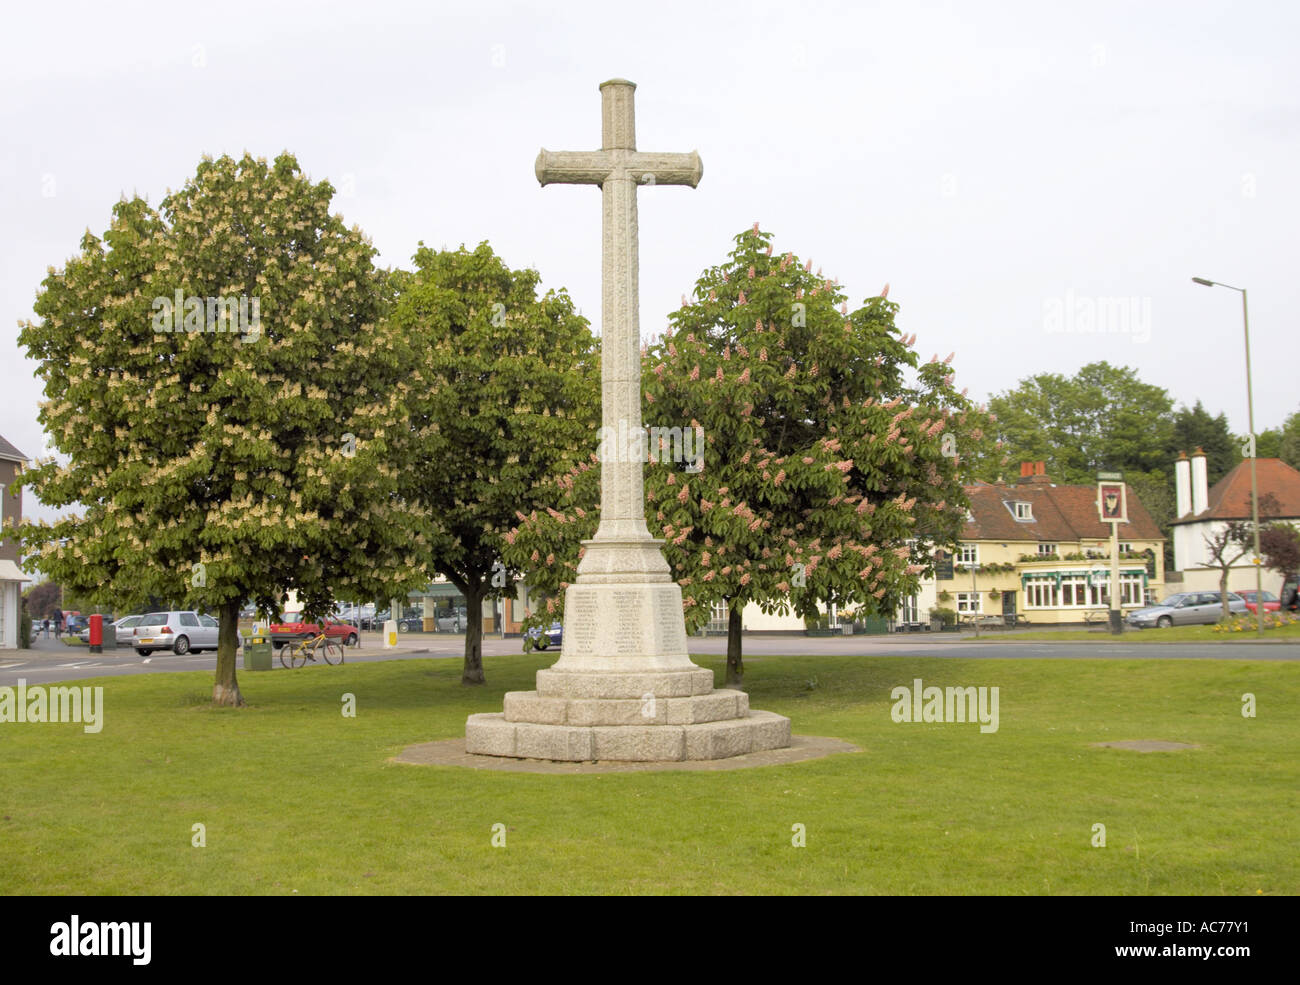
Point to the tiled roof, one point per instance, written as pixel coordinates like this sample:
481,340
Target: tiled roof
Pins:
1229,498
10,452
1060,514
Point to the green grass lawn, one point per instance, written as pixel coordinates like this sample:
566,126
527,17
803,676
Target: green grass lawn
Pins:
1174,634
295,797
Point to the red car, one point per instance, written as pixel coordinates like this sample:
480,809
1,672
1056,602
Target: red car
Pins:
285,632
1271,602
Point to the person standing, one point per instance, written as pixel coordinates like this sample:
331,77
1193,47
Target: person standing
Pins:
47,627
58,623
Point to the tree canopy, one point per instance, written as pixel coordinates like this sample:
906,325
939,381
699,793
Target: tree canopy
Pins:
504,394
831,458
214,373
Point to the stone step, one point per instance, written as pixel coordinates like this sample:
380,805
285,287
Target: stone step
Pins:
493,735
552,683
529,706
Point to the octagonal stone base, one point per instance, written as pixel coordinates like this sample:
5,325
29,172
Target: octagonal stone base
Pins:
495,735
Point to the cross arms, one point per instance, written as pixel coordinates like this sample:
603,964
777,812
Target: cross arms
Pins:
594,167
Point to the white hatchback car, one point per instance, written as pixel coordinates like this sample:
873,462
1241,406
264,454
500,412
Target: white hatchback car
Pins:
178,631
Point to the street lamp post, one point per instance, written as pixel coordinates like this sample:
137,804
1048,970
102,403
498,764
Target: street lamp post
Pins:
1254,476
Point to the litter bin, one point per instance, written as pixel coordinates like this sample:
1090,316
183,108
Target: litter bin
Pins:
257,653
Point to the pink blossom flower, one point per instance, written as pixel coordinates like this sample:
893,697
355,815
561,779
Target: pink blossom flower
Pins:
744,377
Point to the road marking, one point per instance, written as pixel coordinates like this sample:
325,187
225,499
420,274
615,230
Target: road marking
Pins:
11,666
78,664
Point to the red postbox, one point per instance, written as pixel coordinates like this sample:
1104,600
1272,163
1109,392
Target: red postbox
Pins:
96,633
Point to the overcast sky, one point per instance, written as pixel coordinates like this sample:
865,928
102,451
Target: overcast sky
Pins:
1004,166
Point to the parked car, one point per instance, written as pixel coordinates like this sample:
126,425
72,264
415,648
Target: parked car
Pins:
286,632
180,631
1290,600
542,639
1271,601
75,624
1186,609
449,622
123,629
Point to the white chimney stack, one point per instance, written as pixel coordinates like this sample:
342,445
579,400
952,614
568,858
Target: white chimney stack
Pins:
1200,485
1183,483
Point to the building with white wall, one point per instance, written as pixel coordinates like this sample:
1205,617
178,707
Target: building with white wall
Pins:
1203,513
12,579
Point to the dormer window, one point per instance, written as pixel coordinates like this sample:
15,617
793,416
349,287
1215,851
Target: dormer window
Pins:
1021,511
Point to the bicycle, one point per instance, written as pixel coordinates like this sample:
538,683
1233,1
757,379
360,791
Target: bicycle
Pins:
296,653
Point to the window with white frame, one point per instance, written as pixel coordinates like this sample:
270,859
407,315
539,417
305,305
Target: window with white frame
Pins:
1023,511
1125,548
1041,593
1081,592
911,609
968,554
968,602
1046,549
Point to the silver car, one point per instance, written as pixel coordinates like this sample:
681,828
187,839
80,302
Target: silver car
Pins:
1186,609
178,631
123,629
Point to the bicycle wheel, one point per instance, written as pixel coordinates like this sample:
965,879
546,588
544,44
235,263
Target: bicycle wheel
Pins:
286,656
301,654
332,652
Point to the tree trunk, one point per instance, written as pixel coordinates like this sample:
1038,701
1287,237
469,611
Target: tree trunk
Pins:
1223,592
225,690
735,665
473,673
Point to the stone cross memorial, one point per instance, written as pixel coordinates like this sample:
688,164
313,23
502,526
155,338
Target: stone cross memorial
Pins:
624,687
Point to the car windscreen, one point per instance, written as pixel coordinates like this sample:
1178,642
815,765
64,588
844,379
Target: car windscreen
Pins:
154,619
